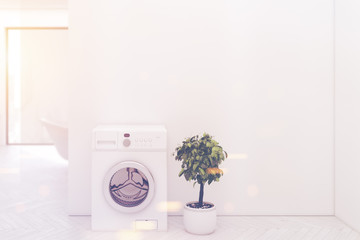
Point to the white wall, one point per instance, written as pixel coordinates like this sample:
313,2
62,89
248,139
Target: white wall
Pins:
258,75
22,18
348,112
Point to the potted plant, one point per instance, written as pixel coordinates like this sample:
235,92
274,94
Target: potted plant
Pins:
200,157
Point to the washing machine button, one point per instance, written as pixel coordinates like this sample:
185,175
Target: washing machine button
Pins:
126,142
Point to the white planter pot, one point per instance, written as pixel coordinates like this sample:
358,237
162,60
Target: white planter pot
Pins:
199,221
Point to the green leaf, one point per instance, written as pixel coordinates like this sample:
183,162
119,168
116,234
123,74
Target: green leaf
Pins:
202,171
211,161
181,172
195,166
187,175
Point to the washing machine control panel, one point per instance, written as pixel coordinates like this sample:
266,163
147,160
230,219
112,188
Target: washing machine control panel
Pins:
108,139
142,141
126,142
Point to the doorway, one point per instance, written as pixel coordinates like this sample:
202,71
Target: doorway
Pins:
36,82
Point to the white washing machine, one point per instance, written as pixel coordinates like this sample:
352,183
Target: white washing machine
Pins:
129,178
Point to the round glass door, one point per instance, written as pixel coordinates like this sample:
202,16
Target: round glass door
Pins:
129,187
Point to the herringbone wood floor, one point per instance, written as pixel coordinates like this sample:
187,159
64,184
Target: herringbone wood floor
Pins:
33,206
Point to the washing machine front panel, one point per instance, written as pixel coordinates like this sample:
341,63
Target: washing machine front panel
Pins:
129,187
128,180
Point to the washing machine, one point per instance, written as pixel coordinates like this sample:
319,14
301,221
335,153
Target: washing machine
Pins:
129,178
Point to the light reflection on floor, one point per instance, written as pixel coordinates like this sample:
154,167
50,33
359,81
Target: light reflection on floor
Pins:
33,196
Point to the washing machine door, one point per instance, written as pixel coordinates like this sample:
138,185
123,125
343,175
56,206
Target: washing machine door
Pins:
129,187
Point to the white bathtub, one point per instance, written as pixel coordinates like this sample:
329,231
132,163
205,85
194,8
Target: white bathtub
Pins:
59,135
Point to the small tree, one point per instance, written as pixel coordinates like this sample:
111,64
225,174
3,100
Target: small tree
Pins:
200,161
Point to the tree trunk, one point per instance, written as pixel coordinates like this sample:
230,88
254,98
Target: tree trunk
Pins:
201,195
